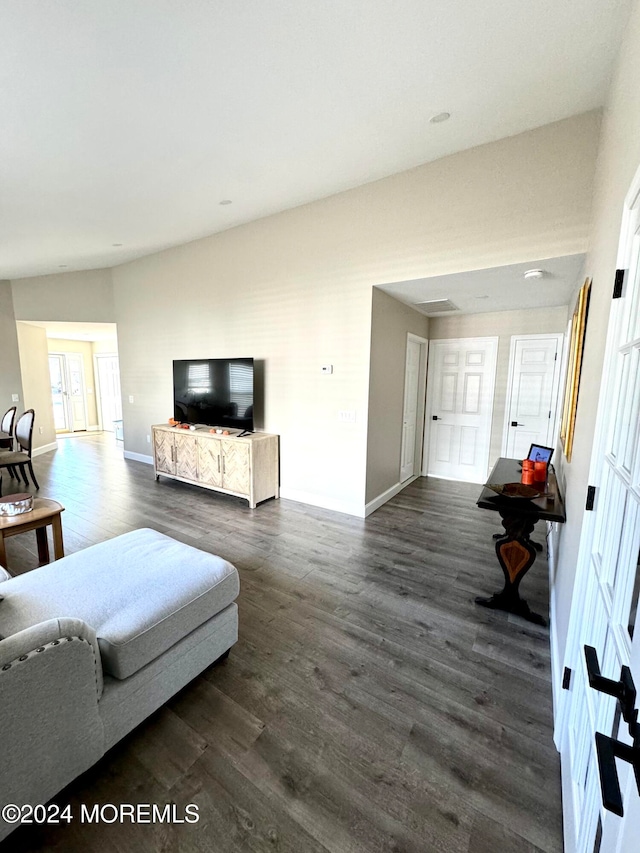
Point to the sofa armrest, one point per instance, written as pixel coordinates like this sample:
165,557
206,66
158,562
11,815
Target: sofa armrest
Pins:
4,574
50,684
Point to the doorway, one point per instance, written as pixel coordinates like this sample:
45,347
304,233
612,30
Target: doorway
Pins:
460,389
107,374
415,376
68,392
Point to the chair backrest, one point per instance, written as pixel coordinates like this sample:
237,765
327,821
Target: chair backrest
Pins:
24,430
7,421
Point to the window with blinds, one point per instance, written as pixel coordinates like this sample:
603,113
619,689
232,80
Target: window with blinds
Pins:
198,378
241,386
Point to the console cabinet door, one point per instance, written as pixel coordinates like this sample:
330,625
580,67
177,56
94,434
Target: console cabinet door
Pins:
163,451
236,468
186,457
209,462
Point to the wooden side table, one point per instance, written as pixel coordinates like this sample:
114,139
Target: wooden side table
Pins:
44,512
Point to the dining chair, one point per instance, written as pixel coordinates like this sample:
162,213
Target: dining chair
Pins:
19,460
6,429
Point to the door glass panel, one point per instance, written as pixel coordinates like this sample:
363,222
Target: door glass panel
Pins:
598,841
633,613
57,392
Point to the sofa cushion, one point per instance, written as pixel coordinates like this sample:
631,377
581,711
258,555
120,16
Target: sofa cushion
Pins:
141,593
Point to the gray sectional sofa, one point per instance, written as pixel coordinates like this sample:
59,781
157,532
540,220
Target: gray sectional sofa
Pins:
93,644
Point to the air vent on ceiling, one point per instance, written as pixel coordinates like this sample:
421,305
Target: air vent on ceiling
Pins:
437,306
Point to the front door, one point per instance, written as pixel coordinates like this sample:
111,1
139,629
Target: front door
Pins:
532,393
460,388
605,602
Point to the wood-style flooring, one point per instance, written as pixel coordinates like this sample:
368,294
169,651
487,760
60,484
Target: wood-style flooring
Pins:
369,704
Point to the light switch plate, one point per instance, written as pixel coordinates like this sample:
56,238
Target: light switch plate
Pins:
15,398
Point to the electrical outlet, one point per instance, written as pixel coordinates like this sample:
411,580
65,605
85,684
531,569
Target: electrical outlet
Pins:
148,439
15,398
131,398
41,429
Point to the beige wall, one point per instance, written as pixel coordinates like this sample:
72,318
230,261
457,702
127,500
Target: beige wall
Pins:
500,324
10,377
619,158
32,343
85,297
85,349
390,322
294,289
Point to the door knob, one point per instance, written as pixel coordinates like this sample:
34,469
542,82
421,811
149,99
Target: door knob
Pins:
515,423
436,418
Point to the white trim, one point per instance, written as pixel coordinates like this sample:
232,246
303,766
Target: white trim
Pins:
94,428
45,448
138,457
376,503
555,395
421,411
324,503
96,377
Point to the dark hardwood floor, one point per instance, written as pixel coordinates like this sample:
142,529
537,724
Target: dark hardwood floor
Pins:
368,706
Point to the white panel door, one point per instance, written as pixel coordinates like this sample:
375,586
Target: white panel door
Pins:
532,395
410,409
460,390
605,603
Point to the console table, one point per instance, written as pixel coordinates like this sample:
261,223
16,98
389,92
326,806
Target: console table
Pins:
515,550
247,466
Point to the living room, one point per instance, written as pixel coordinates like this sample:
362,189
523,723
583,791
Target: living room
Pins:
294,288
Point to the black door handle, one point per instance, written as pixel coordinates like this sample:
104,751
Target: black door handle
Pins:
515,423
436,418
624,690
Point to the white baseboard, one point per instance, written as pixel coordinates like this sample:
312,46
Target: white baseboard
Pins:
94,428
46,448
376,503
315,500
138,457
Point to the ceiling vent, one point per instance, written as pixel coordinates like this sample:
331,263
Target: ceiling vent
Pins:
437,306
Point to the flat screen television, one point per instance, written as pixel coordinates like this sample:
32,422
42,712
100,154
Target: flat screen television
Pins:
217,392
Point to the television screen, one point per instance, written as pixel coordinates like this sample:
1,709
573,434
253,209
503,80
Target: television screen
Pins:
217,392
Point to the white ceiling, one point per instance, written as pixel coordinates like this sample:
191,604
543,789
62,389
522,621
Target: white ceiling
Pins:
128,122
497,289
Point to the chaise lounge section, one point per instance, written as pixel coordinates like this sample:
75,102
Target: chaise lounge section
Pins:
94,643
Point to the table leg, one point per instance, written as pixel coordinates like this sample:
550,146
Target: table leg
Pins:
43,545
58,544
3,553
516,554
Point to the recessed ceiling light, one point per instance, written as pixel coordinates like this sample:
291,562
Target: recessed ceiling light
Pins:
534,273
116,244
482,297
439,117
62,266
226,201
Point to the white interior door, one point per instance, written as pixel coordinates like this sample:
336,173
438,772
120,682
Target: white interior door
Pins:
460,388
412,421
605,601
532,393
109,395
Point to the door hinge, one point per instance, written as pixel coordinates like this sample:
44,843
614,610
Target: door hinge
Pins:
566,678
549,413
555,357
591,497
618,283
